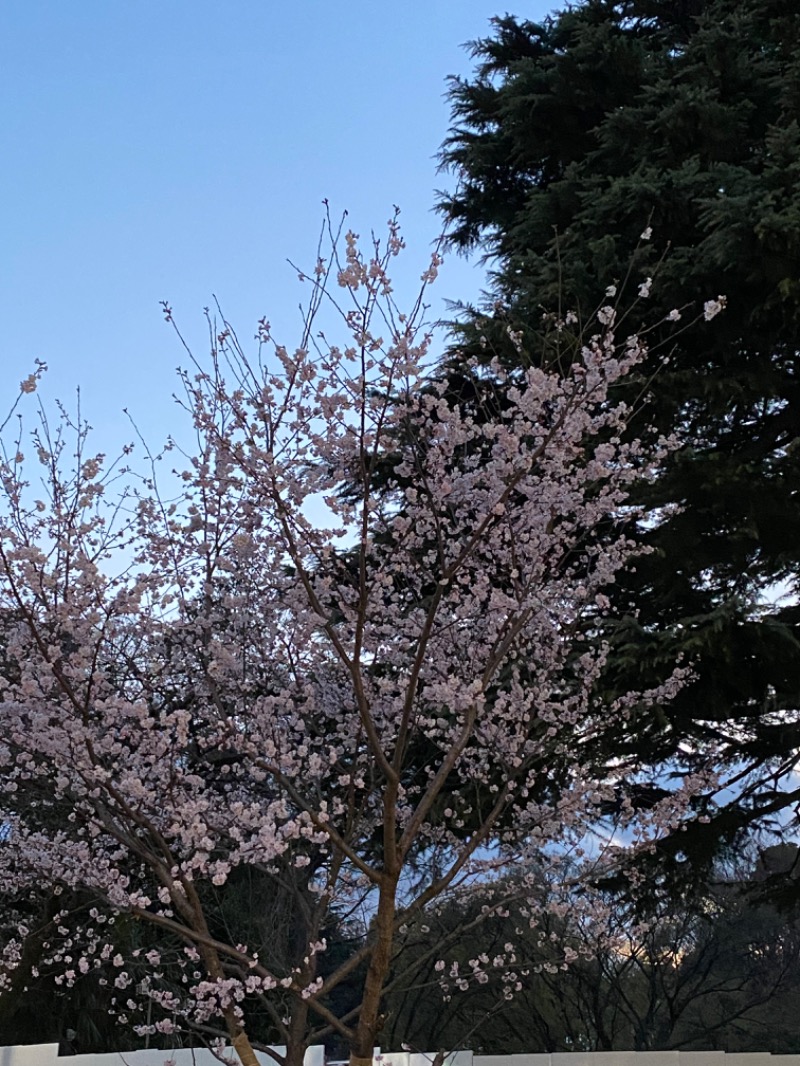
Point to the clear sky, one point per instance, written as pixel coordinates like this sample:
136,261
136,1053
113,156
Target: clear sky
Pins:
175,149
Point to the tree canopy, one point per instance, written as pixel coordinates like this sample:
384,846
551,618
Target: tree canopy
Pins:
294,681
623,141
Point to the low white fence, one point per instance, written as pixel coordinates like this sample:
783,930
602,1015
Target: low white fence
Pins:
639,1058
47,1055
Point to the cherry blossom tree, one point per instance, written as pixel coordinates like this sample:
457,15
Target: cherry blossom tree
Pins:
348,656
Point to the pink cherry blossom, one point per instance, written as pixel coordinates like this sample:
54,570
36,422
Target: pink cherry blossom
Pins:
370,596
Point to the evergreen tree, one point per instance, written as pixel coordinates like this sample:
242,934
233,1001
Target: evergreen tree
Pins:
666,135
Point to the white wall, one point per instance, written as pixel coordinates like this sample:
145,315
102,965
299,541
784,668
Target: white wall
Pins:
47,1055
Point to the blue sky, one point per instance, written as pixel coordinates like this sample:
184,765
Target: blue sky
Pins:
175,149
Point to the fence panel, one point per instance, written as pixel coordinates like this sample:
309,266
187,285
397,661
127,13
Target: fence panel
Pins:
47,1055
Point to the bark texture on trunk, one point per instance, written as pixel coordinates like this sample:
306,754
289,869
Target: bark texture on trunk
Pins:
369,1019
244,1049
296,1040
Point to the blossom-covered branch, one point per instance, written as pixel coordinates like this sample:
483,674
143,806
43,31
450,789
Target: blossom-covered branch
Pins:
349,657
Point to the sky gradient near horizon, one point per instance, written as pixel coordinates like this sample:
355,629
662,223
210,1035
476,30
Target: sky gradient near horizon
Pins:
181,150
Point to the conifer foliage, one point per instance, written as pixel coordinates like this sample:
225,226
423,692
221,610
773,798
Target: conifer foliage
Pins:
670,133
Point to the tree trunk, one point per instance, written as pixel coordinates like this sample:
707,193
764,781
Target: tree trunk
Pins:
369,1020
296,1038
295,1055
244,1049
